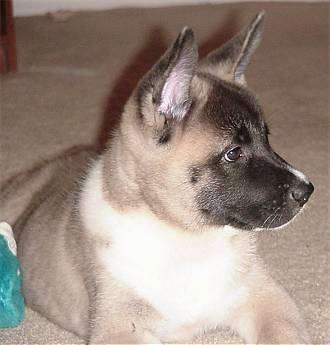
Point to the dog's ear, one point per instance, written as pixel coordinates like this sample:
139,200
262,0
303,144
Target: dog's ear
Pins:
232,58
168,82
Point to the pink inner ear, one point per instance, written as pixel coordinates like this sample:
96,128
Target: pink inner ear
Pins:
176,89
173,91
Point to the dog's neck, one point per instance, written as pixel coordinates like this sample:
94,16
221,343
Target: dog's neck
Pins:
101,196
118,177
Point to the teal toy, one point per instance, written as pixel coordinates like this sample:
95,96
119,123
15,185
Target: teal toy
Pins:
12,307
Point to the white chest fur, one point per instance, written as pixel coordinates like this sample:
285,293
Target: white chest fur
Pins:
186,277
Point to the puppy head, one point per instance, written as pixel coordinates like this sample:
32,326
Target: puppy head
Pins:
198,145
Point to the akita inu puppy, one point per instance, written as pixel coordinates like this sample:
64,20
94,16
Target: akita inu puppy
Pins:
153,240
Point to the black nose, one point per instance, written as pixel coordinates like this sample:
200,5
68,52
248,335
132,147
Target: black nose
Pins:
302,192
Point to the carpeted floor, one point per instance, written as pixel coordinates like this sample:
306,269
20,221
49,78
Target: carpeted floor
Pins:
72,73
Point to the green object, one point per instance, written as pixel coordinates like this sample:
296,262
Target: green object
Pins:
12,307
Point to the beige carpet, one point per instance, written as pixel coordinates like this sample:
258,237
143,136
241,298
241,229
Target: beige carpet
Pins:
71,73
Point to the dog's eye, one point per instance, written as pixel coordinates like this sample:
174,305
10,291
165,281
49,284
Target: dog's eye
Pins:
233,154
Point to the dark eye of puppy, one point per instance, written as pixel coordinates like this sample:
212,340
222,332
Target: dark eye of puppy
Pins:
233,154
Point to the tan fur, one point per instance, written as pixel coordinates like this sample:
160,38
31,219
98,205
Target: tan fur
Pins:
114,249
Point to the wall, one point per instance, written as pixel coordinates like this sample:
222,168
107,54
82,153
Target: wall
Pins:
34,7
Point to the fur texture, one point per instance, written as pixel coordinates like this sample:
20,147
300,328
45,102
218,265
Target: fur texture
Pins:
153,240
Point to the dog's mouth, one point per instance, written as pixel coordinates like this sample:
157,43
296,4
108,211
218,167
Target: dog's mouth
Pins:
279,218
275,218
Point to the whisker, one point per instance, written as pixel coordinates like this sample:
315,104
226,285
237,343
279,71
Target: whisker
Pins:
271,215
270,224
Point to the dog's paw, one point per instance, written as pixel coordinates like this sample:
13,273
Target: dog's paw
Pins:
7,232
135,338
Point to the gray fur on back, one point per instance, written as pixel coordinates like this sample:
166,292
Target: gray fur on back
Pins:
53,262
